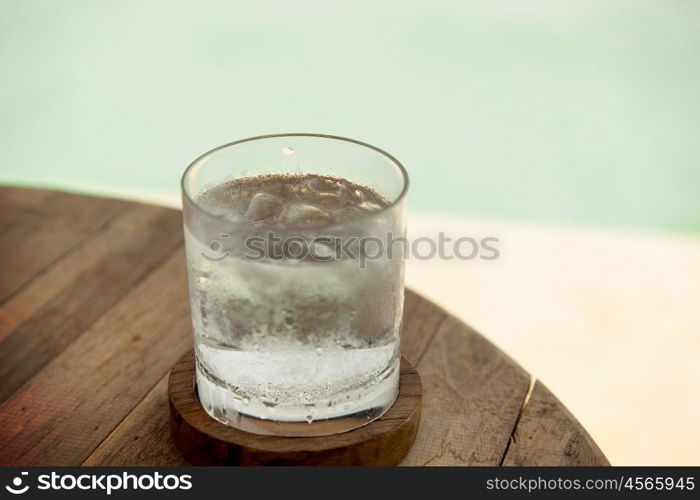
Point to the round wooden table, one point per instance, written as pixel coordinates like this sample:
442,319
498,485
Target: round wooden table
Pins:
94,312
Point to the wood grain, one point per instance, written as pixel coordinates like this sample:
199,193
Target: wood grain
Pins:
548,434
62,414
21,198
143,437
98,248
35,231
472,399
421,321
94,313
51,328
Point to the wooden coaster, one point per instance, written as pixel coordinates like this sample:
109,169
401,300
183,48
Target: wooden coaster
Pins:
204,441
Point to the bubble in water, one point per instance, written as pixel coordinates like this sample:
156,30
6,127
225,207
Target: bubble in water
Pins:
287,151
309,418
204,277
319,351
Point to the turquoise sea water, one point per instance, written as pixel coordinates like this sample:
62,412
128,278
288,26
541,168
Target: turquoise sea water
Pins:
552,111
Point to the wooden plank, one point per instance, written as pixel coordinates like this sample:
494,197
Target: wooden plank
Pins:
35,233
60,320
548,434
26,248
18,198
98,247
65,210
472,397
421,321
62,414
143,437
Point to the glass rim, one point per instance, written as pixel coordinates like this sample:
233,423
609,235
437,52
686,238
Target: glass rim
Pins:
211,152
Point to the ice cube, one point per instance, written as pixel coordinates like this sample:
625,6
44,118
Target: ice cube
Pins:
327,189
262,206
344,194
321,185
303,215
370,206
356,195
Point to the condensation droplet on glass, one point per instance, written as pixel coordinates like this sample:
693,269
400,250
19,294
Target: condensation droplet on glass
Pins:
287,150
309,418
203,313
288,319
319,351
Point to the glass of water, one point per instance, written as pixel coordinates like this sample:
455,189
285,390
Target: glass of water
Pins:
295,255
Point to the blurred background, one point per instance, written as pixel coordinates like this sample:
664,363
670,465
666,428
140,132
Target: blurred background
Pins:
568,130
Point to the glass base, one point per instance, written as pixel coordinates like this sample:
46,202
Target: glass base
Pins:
234,414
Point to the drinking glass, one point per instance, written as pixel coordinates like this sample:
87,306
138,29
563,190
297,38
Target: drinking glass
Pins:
297,344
